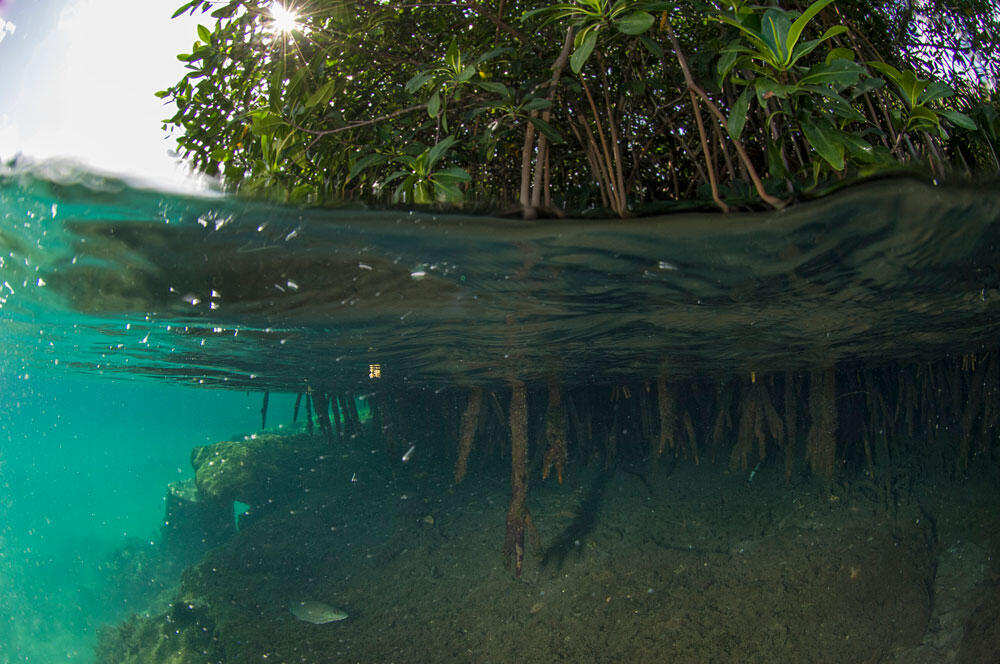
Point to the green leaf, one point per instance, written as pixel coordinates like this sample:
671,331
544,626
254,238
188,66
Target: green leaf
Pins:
805,48
322,95
547,129
774,28
434,105
438,151
635,23
405,187
373,159
887,70
468,72
494,87
583,51
840,53
453,58
492,53
227,11
265,148
422,193
220,154
301,193
183,8
204,34
824,141
446,191
536,104
795,31
298,156
958,119
935,90
652,46
866,86
766,87
831,102
775,166
906,82
858,147
726,61
839,72
454,174
922,115
395,176
738,116
418,81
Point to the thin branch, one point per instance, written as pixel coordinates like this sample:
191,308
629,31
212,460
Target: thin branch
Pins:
320,133
695,88
708,155
605,152
542,157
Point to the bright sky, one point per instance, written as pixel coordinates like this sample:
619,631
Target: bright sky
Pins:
77,79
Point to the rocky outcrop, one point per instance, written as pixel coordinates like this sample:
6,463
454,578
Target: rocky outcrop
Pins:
254,471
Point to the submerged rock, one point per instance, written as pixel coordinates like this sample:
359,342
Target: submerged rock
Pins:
253,471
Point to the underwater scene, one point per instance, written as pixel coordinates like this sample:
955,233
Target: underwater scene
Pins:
236,432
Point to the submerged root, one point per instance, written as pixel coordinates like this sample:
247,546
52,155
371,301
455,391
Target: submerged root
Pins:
518,517
470,422
759,423
668,419
322,406
555,432
821,446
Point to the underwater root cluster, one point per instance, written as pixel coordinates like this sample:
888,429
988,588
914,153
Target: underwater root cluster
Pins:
876,424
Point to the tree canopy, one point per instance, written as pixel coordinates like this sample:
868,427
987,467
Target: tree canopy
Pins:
553,107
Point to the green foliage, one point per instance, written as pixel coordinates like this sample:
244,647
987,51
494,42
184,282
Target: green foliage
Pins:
422,182
773,36
569,106
917,95
588,17
814,99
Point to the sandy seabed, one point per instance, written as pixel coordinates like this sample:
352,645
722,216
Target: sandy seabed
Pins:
663,562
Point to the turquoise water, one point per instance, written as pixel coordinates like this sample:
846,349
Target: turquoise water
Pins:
84,466
136,325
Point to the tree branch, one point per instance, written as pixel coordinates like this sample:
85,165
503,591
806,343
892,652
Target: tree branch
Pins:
320,133
696,89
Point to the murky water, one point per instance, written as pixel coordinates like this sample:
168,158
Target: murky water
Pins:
220,291
123,311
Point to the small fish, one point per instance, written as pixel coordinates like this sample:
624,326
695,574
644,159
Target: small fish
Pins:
316,613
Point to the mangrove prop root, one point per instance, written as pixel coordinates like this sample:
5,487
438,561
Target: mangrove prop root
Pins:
322,403
691,436
336,412
791,424
349,413
518,517
668,419
295,410
263,410
470,422
309,411
821,446
759,422
555,433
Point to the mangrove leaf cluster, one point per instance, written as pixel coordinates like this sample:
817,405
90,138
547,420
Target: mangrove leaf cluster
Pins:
617,106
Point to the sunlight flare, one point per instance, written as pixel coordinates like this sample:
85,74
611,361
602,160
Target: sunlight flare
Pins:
284,19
